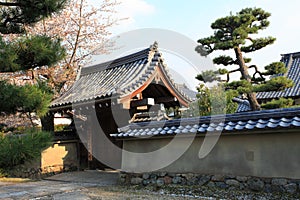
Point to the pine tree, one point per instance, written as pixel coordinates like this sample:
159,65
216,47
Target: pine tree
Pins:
237,32
26,52
29,52
14,14
25,99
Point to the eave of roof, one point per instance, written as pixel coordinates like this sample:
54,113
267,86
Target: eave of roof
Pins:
232,123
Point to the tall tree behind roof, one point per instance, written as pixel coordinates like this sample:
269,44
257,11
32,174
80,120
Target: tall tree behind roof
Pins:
237,32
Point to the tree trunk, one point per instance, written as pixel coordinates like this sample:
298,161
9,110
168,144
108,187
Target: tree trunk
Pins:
245,75
253,101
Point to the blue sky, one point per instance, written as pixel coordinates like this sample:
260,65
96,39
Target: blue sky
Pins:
193,18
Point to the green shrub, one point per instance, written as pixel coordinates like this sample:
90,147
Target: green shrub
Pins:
17,149
278,103
212,101
3,173
60,127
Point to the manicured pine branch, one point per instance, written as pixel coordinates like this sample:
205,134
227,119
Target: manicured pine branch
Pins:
232,33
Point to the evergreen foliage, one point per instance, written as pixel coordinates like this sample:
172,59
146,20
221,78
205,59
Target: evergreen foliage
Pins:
18,149
8,57
14,14
30,52
237,32
26,52
278,103
9,97
25,99
35,99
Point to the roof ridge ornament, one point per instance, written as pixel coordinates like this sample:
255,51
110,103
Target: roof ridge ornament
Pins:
154,46
289,64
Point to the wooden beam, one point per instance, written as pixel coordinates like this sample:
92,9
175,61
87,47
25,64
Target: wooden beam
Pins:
159,100
142,102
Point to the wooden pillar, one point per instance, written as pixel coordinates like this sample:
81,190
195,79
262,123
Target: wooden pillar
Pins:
89,137
89,145
78,155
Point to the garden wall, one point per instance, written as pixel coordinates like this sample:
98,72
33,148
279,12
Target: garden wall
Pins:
62,156
267,161
257,154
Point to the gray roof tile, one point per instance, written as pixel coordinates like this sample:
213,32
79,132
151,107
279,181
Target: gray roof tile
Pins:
293,74
250,121
243,104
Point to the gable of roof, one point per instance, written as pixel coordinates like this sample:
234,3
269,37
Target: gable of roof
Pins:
119,78
292,62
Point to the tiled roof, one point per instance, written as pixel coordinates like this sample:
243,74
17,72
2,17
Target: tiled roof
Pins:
233,123
119,77
292,62
243,104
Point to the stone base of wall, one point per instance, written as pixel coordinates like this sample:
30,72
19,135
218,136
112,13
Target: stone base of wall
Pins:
38,173
160,179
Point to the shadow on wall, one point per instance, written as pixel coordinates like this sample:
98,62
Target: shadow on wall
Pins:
61,156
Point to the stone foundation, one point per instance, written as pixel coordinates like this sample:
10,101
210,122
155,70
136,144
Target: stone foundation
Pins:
268,185
38,173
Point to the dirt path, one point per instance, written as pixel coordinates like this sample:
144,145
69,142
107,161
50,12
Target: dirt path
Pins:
100,178
71,185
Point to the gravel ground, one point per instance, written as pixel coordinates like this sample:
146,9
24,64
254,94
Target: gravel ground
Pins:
50,190
231,193
181,192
